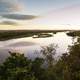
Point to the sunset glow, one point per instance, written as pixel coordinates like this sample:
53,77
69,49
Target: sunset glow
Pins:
29,14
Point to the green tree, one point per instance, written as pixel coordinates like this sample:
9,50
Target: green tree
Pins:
16,67
68,66
48,53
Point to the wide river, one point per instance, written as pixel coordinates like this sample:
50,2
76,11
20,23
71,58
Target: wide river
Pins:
29,46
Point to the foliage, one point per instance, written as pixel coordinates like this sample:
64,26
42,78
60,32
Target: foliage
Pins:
16,67
48,53
68,66
73,33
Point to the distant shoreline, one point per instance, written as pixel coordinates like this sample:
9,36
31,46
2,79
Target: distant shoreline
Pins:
42,30
12,34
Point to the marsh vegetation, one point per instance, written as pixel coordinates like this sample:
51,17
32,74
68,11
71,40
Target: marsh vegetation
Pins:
11,34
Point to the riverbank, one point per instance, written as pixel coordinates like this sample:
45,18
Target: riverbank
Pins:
11,34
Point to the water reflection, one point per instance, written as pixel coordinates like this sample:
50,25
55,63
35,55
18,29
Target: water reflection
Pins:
28,45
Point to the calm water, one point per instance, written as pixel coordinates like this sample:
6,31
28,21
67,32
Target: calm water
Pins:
29,45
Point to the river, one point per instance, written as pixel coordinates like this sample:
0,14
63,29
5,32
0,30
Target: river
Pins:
29,45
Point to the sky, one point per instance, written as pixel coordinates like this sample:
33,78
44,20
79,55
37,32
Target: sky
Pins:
39,14
43,6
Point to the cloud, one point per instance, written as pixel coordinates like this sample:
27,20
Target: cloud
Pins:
8,23
18,16
8,9
8,6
